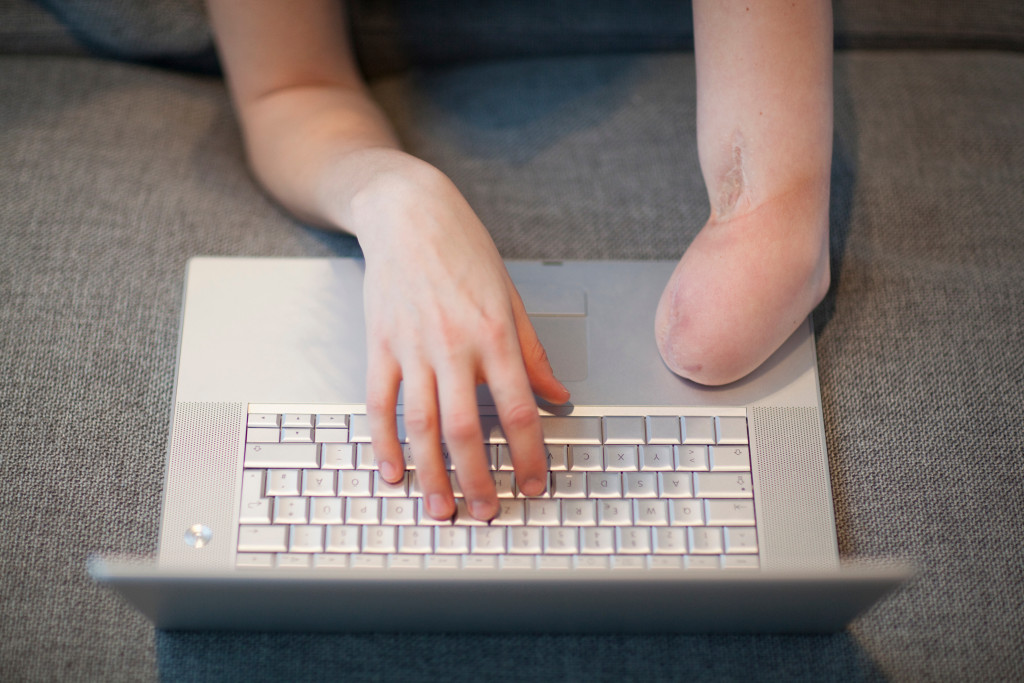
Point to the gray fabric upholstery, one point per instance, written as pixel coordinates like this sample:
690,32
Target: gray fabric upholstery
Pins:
112,175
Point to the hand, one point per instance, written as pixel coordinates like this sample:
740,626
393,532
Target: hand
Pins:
443,316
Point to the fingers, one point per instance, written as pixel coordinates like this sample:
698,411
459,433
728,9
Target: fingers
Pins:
535,359
464,436
517,409
423,428
382,379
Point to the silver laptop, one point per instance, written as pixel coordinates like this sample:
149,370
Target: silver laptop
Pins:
670,506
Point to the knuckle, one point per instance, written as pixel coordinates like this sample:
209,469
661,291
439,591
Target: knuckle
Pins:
420,421
462,427
519,416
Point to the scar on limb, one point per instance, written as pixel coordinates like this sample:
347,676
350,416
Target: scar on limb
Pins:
733,183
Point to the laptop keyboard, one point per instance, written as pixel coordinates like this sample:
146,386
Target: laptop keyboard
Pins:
631,492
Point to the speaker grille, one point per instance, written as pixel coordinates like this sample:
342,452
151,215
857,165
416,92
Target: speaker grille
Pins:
202,471
795,514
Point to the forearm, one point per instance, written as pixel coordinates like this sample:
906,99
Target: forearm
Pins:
764,103
304,111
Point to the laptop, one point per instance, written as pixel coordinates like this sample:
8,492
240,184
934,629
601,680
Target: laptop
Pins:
671,507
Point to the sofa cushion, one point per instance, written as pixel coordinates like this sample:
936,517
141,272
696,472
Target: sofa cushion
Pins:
115,174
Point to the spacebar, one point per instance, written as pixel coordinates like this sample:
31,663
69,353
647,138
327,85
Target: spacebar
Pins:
572,430
280,455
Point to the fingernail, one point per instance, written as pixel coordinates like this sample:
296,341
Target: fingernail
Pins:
389,471
481,509
532,486
436,503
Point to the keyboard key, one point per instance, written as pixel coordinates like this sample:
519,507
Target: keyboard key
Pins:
597,541
587,458
561,541
337,456
414,539
451,540
640,485
740,539
262,538
355,483
541,512
322,435
669,541
504,484
650,512
294,560
489,540
405,562
362,511
291,510
253,435
380,539
675,484
740,562
615,513
590,562
568,484
706,540
726,512
296,435
490,425
698,430
579,512
368,561
385,489
255,508
572,430
252,560
621,458
627,561
319,483
519,562
343,539
463,517
332,421
283,483
692,458
281,455
624,430
663,429
732,430
510,513
657,458
399,511
730,458
686,513
604,484
359,429
557,562
365,459
263,420
665,562
326,510
306,538
525,540
297,420
330,561
633,540
701,562
722,485
558,457
443,562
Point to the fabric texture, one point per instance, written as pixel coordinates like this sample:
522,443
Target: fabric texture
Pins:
113,175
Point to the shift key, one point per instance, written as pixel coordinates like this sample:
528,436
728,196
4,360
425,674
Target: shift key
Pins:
722,485
293,455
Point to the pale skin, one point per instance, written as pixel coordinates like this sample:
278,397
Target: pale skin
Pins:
442,314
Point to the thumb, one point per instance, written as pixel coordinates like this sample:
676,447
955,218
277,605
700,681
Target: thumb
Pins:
535,358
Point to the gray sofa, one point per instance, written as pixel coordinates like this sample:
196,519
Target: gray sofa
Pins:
570,128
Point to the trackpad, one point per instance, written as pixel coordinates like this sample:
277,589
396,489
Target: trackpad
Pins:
565,340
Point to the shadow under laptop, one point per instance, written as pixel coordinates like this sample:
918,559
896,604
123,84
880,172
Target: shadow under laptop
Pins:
514,657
